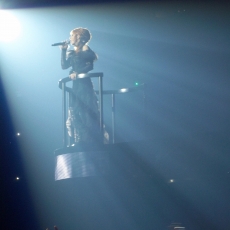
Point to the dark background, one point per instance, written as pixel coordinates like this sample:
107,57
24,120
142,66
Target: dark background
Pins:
185,66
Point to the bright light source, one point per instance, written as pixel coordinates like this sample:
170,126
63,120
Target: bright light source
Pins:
124,90
18,134
17,178
171,181
10,27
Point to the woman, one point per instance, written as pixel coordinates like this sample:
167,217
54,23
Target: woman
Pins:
83,114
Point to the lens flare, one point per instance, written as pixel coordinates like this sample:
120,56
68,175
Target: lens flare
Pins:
10,27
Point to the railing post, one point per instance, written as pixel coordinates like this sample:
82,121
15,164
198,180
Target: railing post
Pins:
64,114
113,118
144,109
101,104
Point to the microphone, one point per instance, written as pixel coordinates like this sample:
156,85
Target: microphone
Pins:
60,43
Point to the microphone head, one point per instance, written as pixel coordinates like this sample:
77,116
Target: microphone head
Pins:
67,42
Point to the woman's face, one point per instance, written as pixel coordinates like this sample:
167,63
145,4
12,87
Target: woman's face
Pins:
74,38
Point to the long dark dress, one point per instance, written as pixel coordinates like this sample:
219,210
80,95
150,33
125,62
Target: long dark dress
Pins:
83,115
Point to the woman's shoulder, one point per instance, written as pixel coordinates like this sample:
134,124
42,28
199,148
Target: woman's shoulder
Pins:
86,48
88,53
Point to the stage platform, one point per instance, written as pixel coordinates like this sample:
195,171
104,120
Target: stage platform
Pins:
166,159
86,159
157,181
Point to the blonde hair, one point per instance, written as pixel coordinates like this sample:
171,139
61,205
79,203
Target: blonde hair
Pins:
83,32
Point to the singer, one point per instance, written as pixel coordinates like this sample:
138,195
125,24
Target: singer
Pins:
83,115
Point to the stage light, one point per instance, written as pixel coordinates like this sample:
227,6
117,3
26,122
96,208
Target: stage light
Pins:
124,90
17,178
18,134
10,27
136,83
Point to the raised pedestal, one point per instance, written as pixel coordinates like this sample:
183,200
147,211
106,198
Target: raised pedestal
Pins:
80,164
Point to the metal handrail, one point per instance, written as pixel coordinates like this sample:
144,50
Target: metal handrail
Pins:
62,85
119,91
123,90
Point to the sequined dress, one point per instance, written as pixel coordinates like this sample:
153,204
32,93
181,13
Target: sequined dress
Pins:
83,115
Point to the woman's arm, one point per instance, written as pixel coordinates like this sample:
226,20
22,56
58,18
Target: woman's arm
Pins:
65,63
88,66
89,57
85,69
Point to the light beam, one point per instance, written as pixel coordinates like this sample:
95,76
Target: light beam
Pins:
10,27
